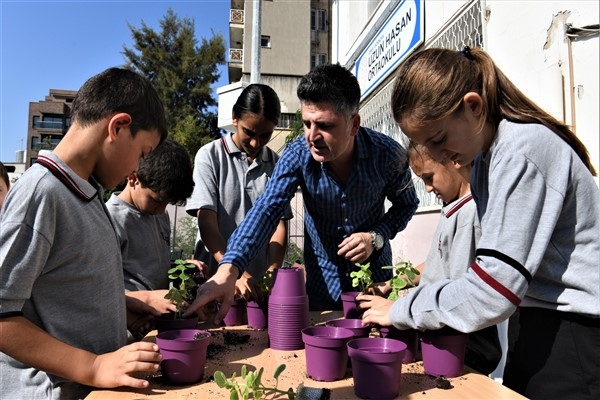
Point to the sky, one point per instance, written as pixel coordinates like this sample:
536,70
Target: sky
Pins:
60,44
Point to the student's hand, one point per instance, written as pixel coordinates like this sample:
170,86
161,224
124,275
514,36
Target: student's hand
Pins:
115,369
155,299
246,287
356,247
202,267
220,287
377,309
139,316
380,288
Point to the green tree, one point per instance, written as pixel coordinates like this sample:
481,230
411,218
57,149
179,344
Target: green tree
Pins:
182,72
297,128
185,237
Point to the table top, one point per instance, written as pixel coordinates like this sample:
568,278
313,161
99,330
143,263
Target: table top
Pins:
232,347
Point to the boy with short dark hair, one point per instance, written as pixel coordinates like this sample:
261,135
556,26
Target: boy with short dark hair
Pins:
63,312
163,177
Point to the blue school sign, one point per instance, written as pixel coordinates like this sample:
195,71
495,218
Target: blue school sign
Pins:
399,36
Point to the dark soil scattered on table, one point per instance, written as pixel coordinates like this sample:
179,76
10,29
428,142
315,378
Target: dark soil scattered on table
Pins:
443,383
213,350
229,339
233,338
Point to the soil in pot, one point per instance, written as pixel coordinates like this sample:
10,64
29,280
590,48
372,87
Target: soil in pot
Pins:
170,321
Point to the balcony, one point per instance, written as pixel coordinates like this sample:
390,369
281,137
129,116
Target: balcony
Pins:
236,16
236,56
54,125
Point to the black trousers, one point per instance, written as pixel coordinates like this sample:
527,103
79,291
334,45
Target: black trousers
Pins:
553,355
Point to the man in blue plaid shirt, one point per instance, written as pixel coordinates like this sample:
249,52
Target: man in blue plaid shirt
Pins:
346,172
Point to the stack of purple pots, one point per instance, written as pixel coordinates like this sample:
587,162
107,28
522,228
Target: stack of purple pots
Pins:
288,309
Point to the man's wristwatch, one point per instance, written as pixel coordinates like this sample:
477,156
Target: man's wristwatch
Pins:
377,240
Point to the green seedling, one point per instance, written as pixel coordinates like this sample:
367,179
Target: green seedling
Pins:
361,278
249,384
181,285
404,276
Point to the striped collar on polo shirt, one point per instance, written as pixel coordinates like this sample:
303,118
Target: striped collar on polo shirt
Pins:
231,148
63,175
458,205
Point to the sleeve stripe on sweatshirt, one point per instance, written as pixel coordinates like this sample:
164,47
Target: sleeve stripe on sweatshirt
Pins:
506,259
497,286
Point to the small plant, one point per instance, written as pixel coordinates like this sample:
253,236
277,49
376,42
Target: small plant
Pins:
182,284
250,385
361,278
265,282
404,275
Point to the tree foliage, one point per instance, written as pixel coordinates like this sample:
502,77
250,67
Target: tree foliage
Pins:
182,72
297,128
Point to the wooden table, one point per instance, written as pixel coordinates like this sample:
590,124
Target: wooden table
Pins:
228,356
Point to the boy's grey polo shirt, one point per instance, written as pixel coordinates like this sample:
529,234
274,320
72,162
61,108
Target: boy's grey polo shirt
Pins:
226,184
60,265
145,245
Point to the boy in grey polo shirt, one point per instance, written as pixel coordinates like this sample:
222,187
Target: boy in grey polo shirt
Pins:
143,227
62,305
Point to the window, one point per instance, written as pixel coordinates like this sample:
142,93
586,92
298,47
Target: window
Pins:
35,142
317,59
318,20
265,41
36,121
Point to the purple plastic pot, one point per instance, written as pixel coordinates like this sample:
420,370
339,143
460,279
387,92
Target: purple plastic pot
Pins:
410,337
256,313
288,309
349,305
443,353
236,314
184,354
168,322
355,325
326,352
288,282
376,367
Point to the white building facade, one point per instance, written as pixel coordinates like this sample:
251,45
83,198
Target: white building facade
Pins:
548,49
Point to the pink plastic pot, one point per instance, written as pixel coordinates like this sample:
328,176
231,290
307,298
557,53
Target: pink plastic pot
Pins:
443,352
184,354
376,367
326,352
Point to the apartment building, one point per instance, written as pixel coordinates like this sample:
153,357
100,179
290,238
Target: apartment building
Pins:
49,120
295,36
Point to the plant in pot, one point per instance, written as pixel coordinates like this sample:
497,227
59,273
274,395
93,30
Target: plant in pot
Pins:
257,310
185,279
361,279
403,278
